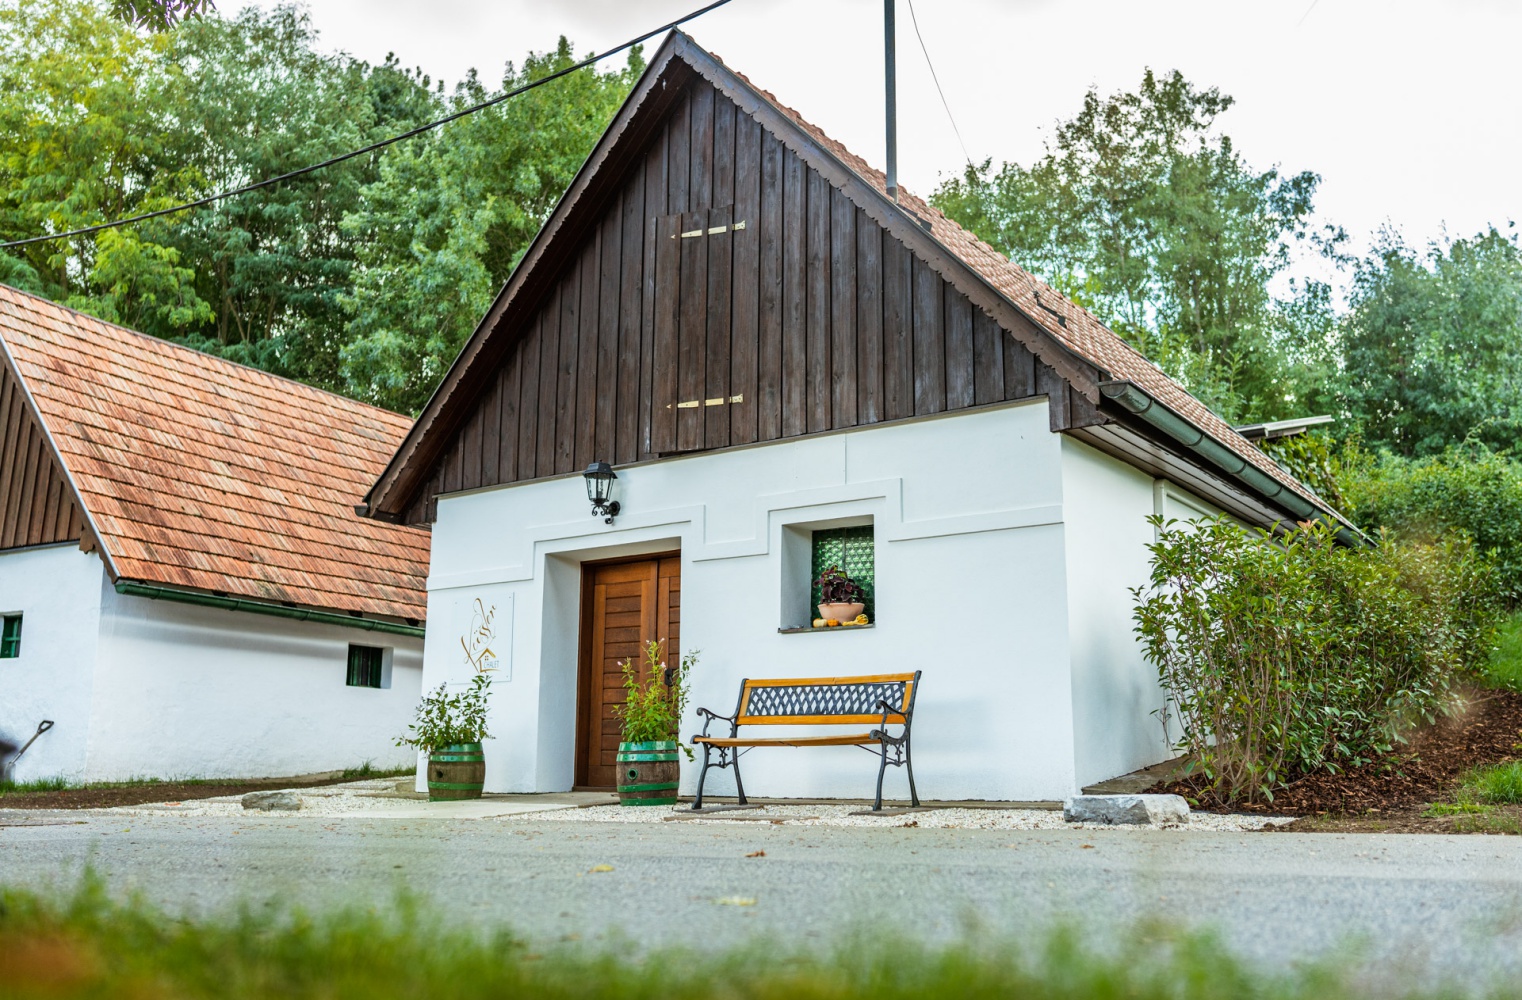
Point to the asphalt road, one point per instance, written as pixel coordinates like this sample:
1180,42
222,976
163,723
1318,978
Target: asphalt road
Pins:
1415,905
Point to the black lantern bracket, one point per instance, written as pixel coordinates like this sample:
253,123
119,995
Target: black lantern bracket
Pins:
600,478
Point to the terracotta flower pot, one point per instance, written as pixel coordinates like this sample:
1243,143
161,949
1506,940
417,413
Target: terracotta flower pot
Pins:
841,612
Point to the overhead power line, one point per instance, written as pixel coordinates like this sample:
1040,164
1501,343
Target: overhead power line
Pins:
949,116
302,171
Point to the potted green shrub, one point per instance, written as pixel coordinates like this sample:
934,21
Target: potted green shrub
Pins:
448,730
840,597
648,767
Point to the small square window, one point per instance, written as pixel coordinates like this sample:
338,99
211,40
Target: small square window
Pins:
365,666
854,551
10,637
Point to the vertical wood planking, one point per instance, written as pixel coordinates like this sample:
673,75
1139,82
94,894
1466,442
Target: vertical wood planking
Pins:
898,330
768,405
512,388
610,254
869,320
469,446
700,190
653,234
959,350
818,311
529,380
929,340
842,310
491,429
1055,389
632,399
720,249
583,378
10,437
1019,369
987,359
795,277
692,319
664,396
745,340
549,362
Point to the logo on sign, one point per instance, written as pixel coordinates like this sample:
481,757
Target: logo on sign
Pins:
478,639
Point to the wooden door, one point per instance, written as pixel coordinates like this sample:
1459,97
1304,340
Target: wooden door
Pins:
623,606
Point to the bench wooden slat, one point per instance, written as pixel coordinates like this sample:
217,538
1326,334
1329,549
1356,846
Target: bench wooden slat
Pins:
788,741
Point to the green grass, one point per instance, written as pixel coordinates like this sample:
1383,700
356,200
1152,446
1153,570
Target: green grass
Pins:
91,946
368,770
64,784
1496,786
36,785
1437,809
1505,667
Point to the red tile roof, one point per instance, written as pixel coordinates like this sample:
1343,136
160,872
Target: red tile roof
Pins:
204,474
1083,333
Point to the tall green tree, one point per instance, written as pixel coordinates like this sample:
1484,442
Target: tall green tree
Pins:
454,211
1143,212
1432,346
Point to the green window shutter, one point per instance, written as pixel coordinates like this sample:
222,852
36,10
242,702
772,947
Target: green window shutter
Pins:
10,637
365,666
853,550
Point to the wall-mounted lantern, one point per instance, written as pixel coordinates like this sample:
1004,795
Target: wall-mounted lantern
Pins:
600,477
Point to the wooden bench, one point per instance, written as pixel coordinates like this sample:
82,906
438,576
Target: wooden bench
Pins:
822,701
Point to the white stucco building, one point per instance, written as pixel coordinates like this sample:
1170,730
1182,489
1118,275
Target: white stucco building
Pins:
184,587
788,368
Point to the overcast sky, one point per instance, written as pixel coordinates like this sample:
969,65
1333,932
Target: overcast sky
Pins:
1410,111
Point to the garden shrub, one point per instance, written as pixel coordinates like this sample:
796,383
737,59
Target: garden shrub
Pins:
1283,655
1473,490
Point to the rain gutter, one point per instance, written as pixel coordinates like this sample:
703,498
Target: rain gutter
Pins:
156,593
1139,403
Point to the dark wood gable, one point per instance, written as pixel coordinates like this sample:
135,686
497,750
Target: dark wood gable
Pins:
37,505
725,293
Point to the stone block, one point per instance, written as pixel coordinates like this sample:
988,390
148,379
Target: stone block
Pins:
1145,810
271,801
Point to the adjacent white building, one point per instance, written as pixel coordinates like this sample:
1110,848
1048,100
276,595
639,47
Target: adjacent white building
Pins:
184,588
788,368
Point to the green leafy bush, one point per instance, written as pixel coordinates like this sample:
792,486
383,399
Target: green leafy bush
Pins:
444,719
1291,654
656,696
1473,490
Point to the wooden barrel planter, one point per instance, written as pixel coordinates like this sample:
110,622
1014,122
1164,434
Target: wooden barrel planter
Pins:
648,773
457,771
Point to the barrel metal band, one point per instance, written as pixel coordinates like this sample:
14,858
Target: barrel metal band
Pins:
456,785
652,787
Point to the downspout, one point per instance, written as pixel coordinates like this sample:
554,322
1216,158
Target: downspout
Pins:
156,593
1139,403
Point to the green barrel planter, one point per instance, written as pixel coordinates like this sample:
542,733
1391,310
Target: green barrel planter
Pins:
648,773
457,771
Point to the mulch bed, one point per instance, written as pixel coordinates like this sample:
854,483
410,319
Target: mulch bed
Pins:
136,795
1389,795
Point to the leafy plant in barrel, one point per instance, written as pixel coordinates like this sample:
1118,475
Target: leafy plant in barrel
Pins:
656,697
445,719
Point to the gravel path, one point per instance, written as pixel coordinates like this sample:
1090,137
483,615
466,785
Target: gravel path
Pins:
929,819
372,797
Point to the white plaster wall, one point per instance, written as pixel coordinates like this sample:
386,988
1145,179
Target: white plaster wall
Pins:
1106,504
184,691
57,591
971,589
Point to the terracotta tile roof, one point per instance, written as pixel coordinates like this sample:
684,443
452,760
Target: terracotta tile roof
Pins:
205,474
1083,333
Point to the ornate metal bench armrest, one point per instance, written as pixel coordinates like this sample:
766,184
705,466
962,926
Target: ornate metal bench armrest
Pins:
709,715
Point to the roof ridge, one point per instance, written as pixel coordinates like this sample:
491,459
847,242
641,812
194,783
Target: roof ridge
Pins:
157,341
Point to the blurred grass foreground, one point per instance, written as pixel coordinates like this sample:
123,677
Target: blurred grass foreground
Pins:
90,945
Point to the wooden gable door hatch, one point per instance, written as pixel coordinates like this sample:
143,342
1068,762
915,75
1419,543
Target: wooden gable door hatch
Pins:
624,605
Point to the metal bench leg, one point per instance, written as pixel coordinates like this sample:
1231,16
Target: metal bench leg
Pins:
877,805
739,785
914,797
697,803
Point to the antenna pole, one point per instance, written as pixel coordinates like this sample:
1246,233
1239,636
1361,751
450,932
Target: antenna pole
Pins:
891,74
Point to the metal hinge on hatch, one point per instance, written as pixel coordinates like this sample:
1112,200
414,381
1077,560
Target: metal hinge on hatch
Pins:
693,404
714,231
